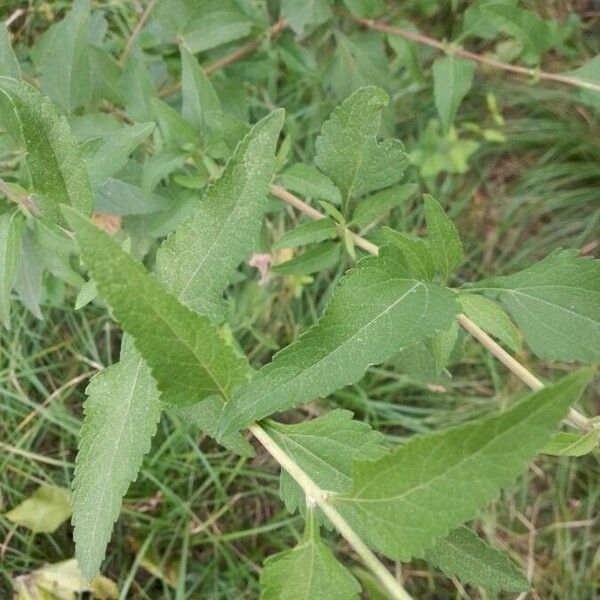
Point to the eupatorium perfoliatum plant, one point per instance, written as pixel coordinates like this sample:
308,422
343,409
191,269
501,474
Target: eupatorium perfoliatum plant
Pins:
389,502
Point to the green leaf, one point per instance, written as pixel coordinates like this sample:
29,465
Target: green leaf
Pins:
216,28
465,555
121,414
61,56
302,15
57,170
444,241
348,151
314,260
197,266
442,344
29,278
184,351
307,233
115,197
44,511
402,503
490,316
310,570
377,309
415,250
309,182
373,207
572,444
199,96
11,228
555,304
589,71
109,154
137,89
324,449
452,79
9,65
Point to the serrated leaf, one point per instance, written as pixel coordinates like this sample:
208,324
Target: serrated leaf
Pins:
452,79
444,241
199,96
44,511
377,309
555,304
373,207
313,260
490,316
307,233
465,555
216,28
54,161
183,349
310,570
348,151
197,268
309,182
9,65
121,414
415,250
572,444
324,449
11,228
402,503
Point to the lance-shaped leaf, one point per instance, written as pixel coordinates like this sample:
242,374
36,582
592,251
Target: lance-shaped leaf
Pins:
465,555
57,170
198,258
402,503
348,151
377,309
11,227
324,448
452,80
566,443
187,356
9,65
556,305
310,570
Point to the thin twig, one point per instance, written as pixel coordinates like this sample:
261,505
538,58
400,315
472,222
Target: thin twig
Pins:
136,31
484,60
575,417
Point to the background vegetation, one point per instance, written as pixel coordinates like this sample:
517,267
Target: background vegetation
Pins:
518,171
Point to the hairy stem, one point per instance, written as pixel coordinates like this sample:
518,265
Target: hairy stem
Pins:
576,419
317,496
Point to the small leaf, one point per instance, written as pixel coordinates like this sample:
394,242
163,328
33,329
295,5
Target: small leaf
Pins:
444,241
465,555
589,71
216,28
572,444
11,228
309,182
447,474
9,65
416,252
452,79
555,304
115,197
491,317
29,278
315,259
373,207
442,344
307,233
54,159
44,511
302,15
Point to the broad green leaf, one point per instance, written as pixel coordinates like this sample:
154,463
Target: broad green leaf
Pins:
324,449
348,151
416,252
310,570
54,161
11,228
110,153
309,182
373,207
377,309
313,260
216,28
115,197
199,96
137,89
184,351
402,503
444,241
44,511
452,79
197,260
307,233
572,444
106,75
9,65
302,15
365,8
490,316
121,413
555,304
61,56
465,555
590,71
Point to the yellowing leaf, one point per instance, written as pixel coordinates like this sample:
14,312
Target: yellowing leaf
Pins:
44,511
